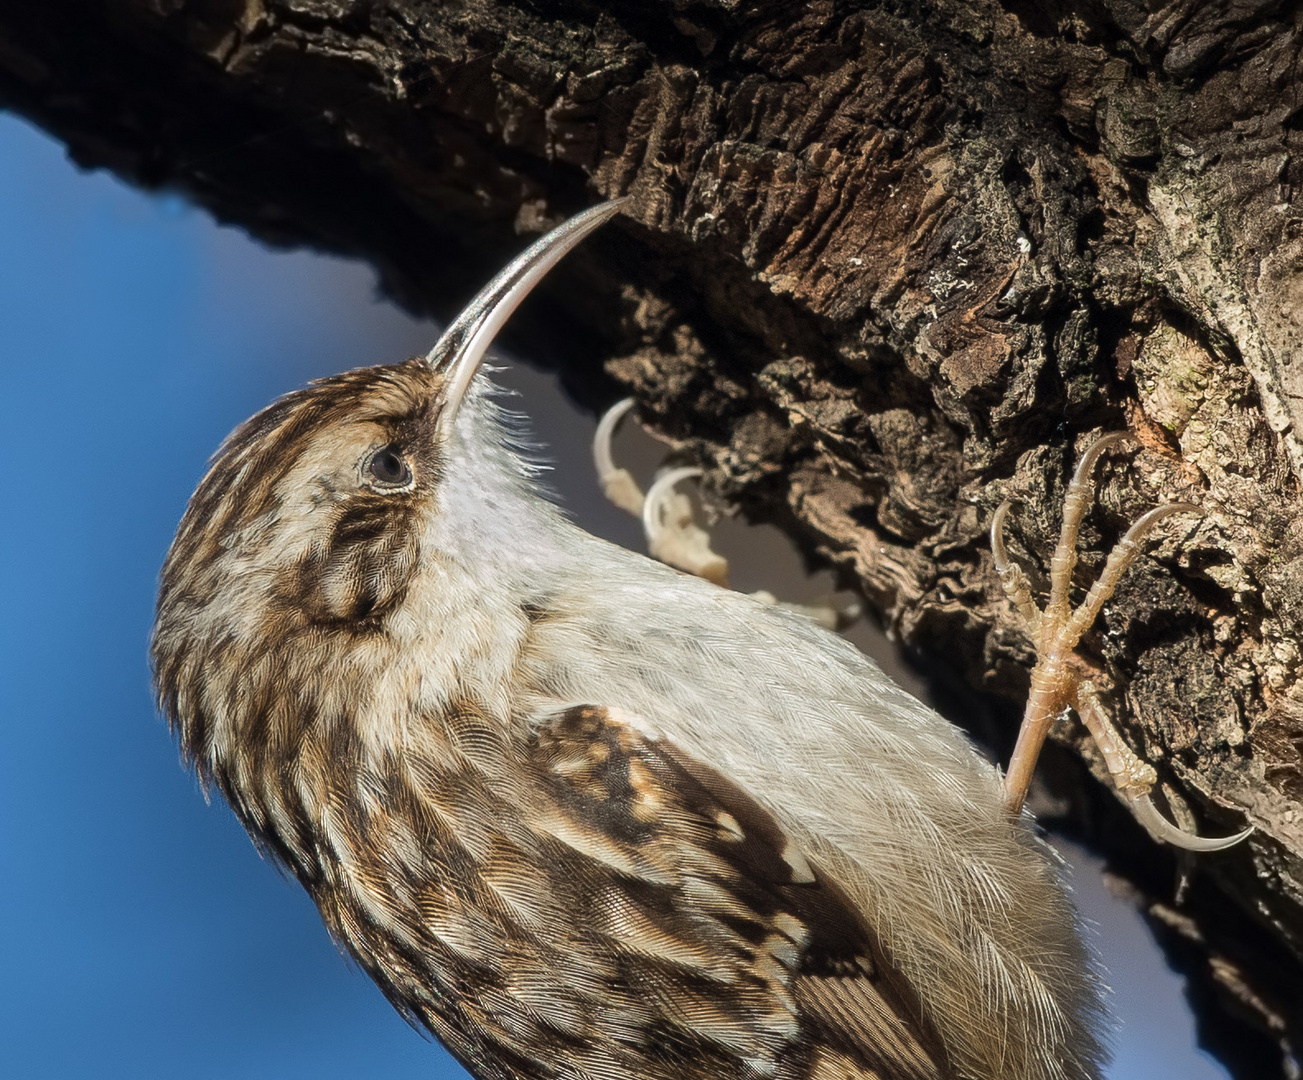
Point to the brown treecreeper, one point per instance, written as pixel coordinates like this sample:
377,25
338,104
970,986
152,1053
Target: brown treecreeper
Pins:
579,814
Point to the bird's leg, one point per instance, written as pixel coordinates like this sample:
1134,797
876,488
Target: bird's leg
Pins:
1055,683
673,535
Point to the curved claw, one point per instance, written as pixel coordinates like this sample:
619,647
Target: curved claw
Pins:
1163,830
655,505
1081,475
1144,524
606,428
618,484
1012,578
673,537
998,551
1124,554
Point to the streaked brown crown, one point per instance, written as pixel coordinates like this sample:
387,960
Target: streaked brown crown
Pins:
245,485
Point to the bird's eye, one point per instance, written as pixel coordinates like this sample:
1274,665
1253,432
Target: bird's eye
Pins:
388,468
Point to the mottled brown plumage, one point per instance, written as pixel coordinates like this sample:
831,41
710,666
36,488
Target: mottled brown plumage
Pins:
464,873
578,814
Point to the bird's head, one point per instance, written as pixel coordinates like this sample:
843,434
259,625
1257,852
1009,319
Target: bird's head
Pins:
316,515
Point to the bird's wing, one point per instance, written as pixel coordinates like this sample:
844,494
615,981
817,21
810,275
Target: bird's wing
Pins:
733,952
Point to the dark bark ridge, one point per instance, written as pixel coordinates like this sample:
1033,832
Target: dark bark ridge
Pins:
887,265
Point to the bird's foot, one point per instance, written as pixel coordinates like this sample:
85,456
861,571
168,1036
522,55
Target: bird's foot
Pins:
1055,682
673,534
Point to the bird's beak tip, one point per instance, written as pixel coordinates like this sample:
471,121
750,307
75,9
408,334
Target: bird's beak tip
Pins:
459,353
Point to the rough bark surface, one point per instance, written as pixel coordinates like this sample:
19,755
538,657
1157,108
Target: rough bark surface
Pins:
886,265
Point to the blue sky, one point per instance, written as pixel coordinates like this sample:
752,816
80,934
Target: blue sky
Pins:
144,938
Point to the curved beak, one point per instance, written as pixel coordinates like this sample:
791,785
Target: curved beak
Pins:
460,351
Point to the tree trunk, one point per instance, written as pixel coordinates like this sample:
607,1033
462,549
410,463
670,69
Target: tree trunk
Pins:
885,266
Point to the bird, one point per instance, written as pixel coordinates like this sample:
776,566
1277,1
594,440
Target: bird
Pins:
579,814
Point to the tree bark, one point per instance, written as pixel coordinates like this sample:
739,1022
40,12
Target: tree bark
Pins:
885,266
